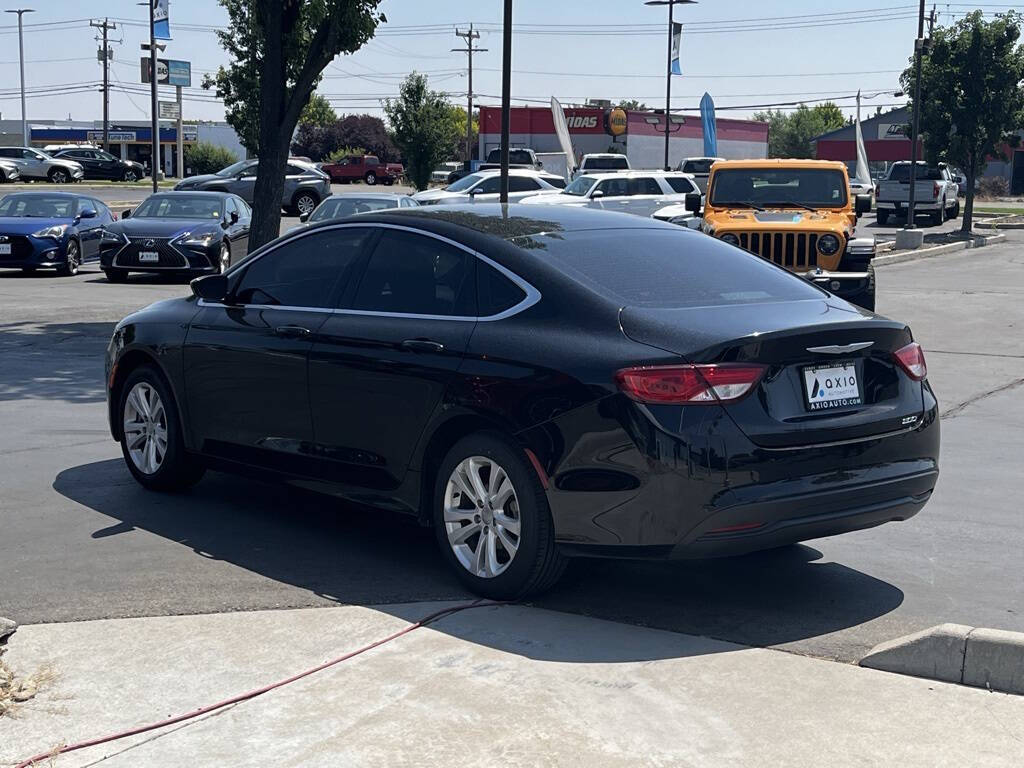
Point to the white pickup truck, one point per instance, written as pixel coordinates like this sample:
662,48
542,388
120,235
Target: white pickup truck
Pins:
935,192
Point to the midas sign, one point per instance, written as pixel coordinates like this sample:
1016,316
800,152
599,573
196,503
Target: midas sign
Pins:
581,121
617,121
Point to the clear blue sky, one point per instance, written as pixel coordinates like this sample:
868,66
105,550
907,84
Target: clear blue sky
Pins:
741,52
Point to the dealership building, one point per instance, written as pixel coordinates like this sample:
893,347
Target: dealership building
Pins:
886,141
129,140
638,135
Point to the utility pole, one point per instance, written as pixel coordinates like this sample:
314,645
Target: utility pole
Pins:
469,36
105,25
668,67
21,59
506,95
918,53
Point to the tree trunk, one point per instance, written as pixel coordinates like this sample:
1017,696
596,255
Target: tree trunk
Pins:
968,214
266,204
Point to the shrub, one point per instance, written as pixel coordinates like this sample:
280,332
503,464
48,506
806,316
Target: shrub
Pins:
344,152
204,157
992,187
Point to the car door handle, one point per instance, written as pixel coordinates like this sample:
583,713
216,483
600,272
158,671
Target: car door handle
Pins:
292,331
422,345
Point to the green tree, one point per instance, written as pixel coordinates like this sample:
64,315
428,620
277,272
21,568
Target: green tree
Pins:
972,94
318,112
424,127
278,50
633,105
204,157
458,117
791,134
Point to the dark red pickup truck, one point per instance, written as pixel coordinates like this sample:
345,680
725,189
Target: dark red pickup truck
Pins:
369,168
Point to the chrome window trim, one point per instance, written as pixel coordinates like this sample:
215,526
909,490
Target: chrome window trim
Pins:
532,294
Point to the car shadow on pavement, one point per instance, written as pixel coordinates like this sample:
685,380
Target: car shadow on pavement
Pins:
348,554
53,361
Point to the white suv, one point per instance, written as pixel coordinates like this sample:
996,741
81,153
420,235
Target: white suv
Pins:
485,186
599,162
638,192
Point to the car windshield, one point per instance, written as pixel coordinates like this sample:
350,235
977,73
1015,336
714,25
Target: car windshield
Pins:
464,183
41,206
346,205
681,268
235,168
580,186
780,187
179,207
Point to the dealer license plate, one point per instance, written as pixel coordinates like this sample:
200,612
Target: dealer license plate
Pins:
831,386
5,249
149,256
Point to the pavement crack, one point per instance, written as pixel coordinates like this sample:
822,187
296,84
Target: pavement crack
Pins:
956,410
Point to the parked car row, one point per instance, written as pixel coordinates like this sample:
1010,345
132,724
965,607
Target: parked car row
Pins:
61,166
305,185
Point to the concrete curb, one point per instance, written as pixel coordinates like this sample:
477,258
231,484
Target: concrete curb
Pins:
1001,222
956,653
978,241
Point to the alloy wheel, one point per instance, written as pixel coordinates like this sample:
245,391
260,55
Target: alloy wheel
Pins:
305,204
59,177
130,176
481,516
145,428
74,258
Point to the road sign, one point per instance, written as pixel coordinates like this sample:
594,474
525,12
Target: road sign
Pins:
169,110
168,72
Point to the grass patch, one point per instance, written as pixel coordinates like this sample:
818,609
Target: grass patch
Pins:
1003,211
15,690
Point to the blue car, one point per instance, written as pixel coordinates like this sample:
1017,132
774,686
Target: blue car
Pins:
47,230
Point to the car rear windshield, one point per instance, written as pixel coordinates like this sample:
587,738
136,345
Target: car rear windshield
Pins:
667,268
815,187
697,166
606,163
902,173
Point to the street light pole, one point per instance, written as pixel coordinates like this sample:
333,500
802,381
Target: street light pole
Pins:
506,97
21,59
918,53
668,67
152,97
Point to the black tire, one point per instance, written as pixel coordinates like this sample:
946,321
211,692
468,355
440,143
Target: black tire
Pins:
537,563
116,275
177,471
956,210
58,176
74,260
370,178
882,217
130,175
868,299
940,215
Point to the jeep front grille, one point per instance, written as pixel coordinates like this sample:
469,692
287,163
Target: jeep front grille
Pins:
793,250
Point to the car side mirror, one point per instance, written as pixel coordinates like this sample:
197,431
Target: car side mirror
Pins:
693,202
233,216
862,205
475,191
303,217
88,213
126,213
540,163
210,287
596,194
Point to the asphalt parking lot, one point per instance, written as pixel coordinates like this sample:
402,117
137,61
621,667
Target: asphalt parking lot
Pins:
81,540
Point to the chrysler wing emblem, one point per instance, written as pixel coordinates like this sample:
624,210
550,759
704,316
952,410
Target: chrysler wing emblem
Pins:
840,349
150,243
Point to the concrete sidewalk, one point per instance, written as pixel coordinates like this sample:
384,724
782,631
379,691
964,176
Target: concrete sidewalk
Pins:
507,685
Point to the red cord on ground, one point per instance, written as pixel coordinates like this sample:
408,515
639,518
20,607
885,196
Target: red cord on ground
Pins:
258,691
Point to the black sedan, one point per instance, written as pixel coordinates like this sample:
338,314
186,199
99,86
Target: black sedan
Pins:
184,233
98,164
534,382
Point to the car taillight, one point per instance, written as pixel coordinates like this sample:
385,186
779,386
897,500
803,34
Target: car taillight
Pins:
911,359
684,384
935,189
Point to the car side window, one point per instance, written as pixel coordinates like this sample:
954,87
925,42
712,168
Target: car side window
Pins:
230,207
294,170
4,152
495,292
614,187
644,185
522,184
242,207
418,275
490,185
304,271
681,185
102,212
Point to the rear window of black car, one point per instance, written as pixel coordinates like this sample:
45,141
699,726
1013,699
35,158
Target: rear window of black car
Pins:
667,268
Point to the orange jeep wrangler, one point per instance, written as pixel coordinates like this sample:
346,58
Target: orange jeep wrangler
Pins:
795,213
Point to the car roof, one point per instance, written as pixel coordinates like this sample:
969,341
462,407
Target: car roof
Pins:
778,163
191,193
605,154
515,172
42,193
508,221
633,172
366,196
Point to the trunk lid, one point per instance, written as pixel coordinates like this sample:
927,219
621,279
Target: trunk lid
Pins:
789,338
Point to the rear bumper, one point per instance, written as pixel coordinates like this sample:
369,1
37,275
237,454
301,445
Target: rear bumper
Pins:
919,205
621,484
